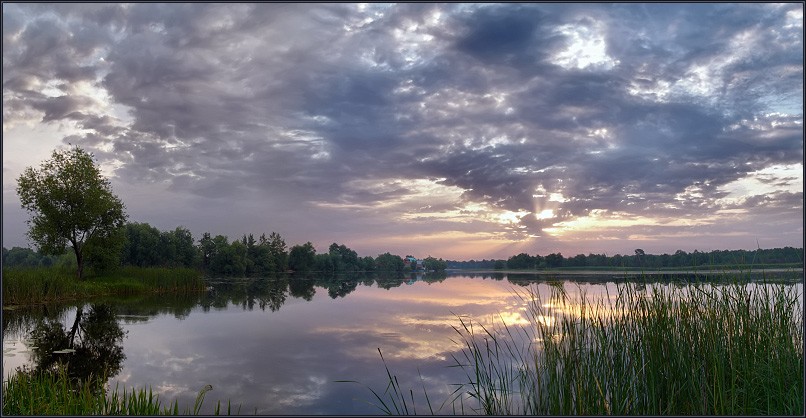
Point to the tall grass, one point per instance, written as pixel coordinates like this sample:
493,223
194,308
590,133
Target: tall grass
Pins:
734,349
24,286
728,348
38,285
55,394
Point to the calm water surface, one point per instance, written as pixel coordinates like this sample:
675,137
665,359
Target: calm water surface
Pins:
279,345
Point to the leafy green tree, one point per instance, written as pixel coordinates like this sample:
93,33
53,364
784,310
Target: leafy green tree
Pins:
207,249
264,262
324,263
302,257
521,261
431,263
103,253
499,264
369,263
389,262
69,202
639,256
186,253
142,246
554,260
223,257
277,248
20,257
580,260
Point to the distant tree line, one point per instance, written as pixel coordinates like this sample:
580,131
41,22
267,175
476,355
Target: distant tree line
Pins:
680,258
143,245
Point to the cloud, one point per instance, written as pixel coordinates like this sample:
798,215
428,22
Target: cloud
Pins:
550,109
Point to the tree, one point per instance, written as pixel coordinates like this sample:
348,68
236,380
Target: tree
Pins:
521,261
554,260
276,246
69,202
432,263
389,262
302,257
207,249
103,254
639,256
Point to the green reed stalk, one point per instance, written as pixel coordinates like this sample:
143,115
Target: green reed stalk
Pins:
729,348
24,286
55,394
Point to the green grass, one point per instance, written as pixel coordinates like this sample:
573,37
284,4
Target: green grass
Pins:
734,348
55,394
25,286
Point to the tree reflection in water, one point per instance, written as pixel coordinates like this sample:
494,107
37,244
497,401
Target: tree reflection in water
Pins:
91,347
272,292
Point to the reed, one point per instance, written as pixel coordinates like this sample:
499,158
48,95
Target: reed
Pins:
725,347
25,286
56,394
734,348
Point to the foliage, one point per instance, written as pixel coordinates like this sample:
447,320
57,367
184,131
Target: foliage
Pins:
146,246
244,257
26,257
640,259
389,262
431,263
302,257
69,202
473,264
103,253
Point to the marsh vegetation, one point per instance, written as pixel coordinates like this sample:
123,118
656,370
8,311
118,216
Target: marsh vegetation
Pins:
730,347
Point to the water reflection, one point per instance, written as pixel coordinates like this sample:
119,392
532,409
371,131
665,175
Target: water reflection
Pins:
278,344
90,347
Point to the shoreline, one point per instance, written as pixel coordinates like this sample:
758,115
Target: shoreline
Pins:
619,272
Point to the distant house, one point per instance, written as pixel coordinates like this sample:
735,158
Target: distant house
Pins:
413,263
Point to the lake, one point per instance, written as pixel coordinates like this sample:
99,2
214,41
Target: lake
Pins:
280,345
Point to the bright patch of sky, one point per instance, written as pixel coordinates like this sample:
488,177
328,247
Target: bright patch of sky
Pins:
776,178
586,47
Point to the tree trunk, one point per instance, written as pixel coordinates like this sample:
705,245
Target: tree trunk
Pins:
75,325
80,262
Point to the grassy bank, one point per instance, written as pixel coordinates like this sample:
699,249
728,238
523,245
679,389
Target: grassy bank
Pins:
25,286
729,349
55,394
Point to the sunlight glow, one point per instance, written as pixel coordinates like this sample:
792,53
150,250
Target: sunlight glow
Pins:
586,48
546,214
774,178
509,217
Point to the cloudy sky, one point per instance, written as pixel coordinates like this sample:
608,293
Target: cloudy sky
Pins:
454,130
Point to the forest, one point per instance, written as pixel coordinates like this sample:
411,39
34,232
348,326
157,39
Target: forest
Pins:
143,245
523,261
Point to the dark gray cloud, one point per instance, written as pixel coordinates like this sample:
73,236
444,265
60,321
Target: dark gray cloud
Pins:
598,107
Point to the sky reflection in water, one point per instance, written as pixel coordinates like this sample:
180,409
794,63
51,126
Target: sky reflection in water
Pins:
286,361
